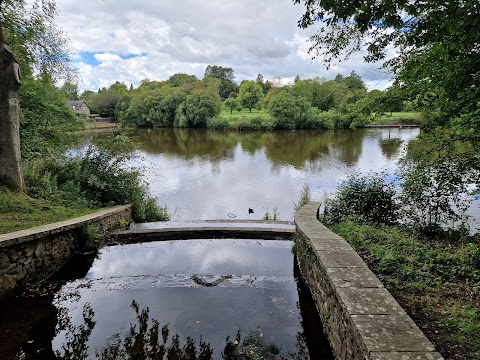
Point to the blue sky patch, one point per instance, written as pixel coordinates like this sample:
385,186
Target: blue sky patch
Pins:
89,57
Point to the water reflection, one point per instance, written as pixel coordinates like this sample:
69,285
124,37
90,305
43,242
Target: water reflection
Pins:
201,174
260,309
294,148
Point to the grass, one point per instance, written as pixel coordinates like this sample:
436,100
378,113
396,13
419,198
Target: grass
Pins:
245,113
19,212
101,125
242,120
399,117
436,282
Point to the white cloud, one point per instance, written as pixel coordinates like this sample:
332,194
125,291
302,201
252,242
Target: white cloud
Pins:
130,40
107,58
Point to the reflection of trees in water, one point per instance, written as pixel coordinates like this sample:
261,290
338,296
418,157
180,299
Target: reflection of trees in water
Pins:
347,145
147,339
390,147
187,144
294,148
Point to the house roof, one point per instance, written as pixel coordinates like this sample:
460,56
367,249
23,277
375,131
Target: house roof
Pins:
77,103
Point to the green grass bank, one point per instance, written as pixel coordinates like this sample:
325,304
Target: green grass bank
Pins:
20,212
436,281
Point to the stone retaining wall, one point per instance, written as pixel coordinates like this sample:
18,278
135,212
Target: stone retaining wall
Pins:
35,253
361,318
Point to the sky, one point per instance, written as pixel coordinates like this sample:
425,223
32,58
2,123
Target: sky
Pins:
131,40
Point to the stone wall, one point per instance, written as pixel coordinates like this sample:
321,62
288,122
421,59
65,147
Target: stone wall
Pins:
35,253
361,318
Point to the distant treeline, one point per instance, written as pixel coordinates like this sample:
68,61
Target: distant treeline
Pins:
216,101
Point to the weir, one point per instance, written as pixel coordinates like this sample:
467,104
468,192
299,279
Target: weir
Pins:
361,318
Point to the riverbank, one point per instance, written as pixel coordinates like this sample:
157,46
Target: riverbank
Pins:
436,281
20,212
263,120
100,125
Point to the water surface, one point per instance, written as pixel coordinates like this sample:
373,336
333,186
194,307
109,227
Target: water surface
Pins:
207,289
201,174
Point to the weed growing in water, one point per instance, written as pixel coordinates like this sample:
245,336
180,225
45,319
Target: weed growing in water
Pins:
91,237
304,197
274,216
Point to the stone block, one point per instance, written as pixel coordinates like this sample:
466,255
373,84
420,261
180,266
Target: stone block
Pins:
29,251
8,282
359,277
405,356
40,249
385,333
330,244
369,301
336,259
4,261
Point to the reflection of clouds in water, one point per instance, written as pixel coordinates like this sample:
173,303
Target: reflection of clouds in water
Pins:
268,176
209,257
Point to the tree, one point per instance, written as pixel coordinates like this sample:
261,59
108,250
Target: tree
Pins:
196,110
47,127
231,103
394,99
220,72
69,90
87,95
250,93
437,45
289,111
225,75
105,102
181,79
354,81
118,88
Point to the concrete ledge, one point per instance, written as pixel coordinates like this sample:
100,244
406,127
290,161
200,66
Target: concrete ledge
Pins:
33,254
185,233
361,318
19,237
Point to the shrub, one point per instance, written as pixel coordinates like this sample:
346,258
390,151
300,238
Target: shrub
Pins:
218,123
304,197
434,195
98,178
319,120
91,237
288,111
363,199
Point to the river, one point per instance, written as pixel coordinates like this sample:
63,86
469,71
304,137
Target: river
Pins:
200,174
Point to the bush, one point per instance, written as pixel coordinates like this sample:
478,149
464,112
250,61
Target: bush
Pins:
240,123
96,179
363,199
320,120
288,111
434,195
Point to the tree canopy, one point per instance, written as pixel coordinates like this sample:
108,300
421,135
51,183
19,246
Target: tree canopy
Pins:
30,28
437,58
250,93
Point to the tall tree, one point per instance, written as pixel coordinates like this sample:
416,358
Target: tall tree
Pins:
437,45
220,72
250,93
87,95
225,75
69,90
